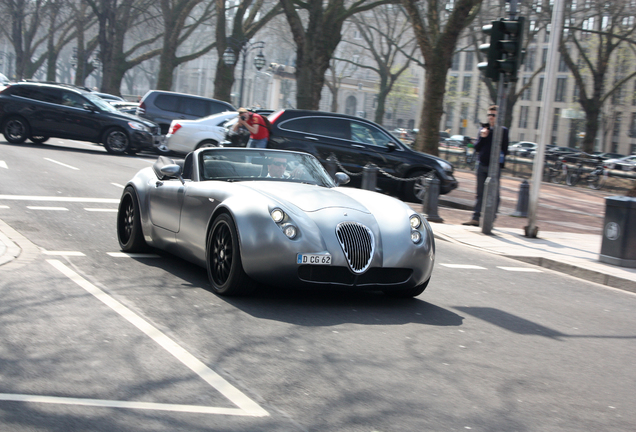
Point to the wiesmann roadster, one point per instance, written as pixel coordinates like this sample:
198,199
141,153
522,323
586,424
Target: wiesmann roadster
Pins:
274,217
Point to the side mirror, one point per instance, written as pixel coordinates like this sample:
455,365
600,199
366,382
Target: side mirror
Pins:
391,146
172,170
89,107
342,178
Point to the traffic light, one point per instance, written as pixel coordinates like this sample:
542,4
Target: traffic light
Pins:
493,50
504,52
512,47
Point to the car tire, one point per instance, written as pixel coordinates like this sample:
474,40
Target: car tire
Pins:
408,292
207,143
129,232
116,141
16,130
223,258
39,139
415,188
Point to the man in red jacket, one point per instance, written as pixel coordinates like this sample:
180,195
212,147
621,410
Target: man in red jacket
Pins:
254,123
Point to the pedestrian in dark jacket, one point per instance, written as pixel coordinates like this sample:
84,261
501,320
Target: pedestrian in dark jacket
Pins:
482,148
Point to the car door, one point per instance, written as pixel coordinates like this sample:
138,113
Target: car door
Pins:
76,121
41,103
165,203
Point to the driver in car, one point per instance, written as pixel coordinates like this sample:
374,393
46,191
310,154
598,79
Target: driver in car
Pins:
276,168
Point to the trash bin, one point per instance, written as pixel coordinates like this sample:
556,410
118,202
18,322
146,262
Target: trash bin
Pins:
619,232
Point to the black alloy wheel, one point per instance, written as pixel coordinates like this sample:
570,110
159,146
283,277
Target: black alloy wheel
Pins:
16,130
116,141
225,268
39,139
129,232
416,189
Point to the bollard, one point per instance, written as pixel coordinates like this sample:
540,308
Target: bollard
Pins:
369,177
330,166
429,202
524,199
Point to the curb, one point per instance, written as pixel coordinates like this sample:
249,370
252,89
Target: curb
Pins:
18,249
569,269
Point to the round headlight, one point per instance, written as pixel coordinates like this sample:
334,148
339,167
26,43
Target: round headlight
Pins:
416,222
278,215
290,231
416,237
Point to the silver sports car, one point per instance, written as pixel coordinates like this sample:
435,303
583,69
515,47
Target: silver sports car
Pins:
275,217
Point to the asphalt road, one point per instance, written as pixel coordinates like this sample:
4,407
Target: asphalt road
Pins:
95,341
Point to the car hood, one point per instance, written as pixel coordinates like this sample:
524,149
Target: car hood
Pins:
133,117
307,198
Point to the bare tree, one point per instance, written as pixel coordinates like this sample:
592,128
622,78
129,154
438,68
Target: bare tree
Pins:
249,17
593,33
385,34
316,40
437,26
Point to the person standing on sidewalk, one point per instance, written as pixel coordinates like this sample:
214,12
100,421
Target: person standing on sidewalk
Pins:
482,148
259,134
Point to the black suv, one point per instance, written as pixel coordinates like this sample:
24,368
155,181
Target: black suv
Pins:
356,142
38,111
162,107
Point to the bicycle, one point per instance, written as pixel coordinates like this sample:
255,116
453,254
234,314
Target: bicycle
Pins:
595,179
470,157
557,172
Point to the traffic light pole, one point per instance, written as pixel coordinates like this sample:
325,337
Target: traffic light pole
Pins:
491,187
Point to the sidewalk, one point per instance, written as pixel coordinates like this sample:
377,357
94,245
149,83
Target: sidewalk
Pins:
570,222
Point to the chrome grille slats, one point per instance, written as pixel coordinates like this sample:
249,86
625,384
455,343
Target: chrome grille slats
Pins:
357,243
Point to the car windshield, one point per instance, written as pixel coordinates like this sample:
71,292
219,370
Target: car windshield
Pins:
101,103
259,164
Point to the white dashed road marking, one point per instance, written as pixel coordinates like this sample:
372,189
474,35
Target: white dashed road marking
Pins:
100,210
3,164
4,206
521,269
47,208
63,253
132,255
118,185
60,163
58,199
464,266
246,406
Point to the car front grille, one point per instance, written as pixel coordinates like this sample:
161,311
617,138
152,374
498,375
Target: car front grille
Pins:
337,275
357,243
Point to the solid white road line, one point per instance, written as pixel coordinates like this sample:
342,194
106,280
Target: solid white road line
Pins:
246,405
59,199
100,210
4,206
521,269
118,185
120,404
3,164
464,266
47,208
63,253
132,255
60,163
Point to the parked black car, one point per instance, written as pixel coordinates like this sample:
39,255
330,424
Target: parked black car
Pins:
356,142
162,107
38,111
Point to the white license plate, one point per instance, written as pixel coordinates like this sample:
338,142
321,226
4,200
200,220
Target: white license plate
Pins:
314,259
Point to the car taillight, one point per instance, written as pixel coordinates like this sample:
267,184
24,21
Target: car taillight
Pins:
141,109
274,116
174,127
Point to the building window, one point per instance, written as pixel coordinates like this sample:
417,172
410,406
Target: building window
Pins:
455,62
576,93
540,90
528,64
449,116
617,126
634,94
469,59
546,36
544,56
523,117
452,84
410,124
555,124
466,84
350,105
563,67
463,119
537,119
632,127
617,96
526,95
561,88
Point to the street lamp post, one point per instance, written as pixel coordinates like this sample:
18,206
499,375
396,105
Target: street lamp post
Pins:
243,48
